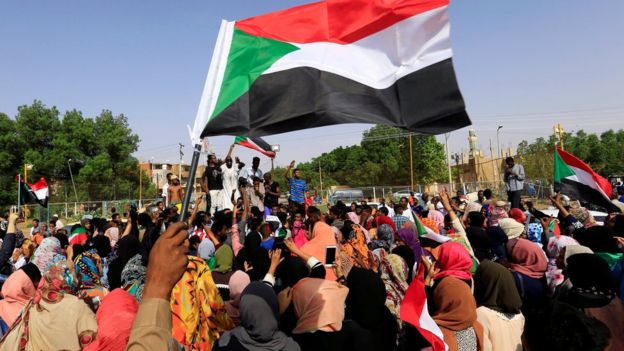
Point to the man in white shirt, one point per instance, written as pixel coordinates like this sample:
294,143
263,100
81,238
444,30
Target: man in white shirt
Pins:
253,171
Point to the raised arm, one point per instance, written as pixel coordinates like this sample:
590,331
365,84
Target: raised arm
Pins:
287,172
191,219
229,154
556,200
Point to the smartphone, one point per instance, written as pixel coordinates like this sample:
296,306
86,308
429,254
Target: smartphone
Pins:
330,256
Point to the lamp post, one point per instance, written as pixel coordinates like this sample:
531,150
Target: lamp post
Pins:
448,162
71,175
498,141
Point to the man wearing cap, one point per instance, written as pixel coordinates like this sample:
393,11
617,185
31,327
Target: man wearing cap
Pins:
57,222
514,181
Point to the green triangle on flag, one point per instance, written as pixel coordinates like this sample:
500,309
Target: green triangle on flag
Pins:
419,226
253,56
562,170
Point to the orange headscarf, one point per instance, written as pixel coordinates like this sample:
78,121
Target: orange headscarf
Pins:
17,291
323,236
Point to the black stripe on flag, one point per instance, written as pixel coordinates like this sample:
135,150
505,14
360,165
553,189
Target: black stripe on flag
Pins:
427,101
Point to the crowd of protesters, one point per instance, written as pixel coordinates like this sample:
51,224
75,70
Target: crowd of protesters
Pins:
253,273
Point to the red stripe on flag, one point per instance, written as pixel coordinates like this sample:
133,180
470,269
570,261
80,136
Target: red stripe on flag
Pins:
40,184
413,311
573,161
336,21
254,147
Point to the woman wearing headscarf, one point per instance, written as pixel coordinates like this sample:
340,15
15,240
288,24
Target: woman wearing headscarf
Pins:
368,321
133,277
593,291
53,320
127,247
17,290
453,260
88,268
48,254
385,238
199,315
258,330
319,308
456,315
353,251
528,265
101,245
114,320
556,249
238,282
394,273
437,217
224,260
499,307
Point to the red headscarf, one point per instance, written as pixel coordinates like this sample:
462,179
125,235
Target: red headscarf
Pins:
518,215
114,318
453,261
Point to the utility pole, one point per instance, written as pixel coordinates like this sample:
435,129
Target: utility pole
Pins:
498,141
448,162
494,166
180,168
321,179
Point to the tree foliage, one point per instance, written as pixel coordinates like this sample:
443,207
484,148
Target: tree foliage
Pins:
601,152
100,150
382,158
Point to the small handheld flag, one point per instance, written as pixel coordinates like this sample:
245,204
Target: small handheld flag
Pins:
257,144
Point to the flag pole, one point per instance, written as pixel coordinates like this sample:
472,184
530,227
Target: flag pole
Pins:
190,182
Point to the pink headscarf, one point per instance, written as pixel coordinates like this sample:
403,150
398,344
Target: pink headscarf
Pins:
527,258
437,217
17,291
453,260
353,217
299,234
319,305
238,282
114,318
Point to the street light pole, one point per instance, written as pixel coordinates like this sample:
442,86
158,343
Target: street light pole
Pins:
498,141
448,162
72,179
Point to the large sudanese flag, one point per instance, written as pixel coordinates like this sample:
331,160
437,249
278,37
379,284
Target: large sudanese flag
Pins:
332,62
577,180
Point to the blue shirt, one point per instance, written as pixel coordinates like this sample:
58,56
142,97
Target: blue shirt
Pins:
298,187
268,244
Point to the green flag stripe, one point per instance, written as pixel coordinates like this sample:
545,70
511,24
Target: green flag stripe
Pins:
249,57
562,170
239,139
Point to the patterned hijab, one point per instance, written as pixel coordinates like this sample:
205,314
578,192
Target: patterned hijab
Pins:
385,238
199,315
53,320
394,273
87,267
133,277
353,250
47,254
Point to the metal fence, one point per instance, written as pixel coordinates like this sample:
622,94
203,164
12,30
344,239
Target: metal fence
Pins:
73,211
537,189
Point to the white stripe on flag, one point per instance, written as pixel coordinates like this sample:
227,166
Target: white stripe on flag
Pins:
380,59
585,178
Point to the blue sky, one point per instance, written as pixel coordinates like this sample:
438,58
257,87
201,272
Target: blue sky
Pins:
522,64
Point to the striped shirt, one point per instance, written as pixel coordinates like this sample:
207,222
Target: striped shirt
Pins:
298,187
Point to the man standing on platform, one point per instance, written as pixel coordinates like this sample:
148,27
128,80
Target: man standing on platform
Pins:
298,186
514,181
212,185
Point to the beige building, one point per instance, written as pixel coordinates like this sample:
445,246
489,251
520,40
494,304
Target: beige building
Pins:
157,172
